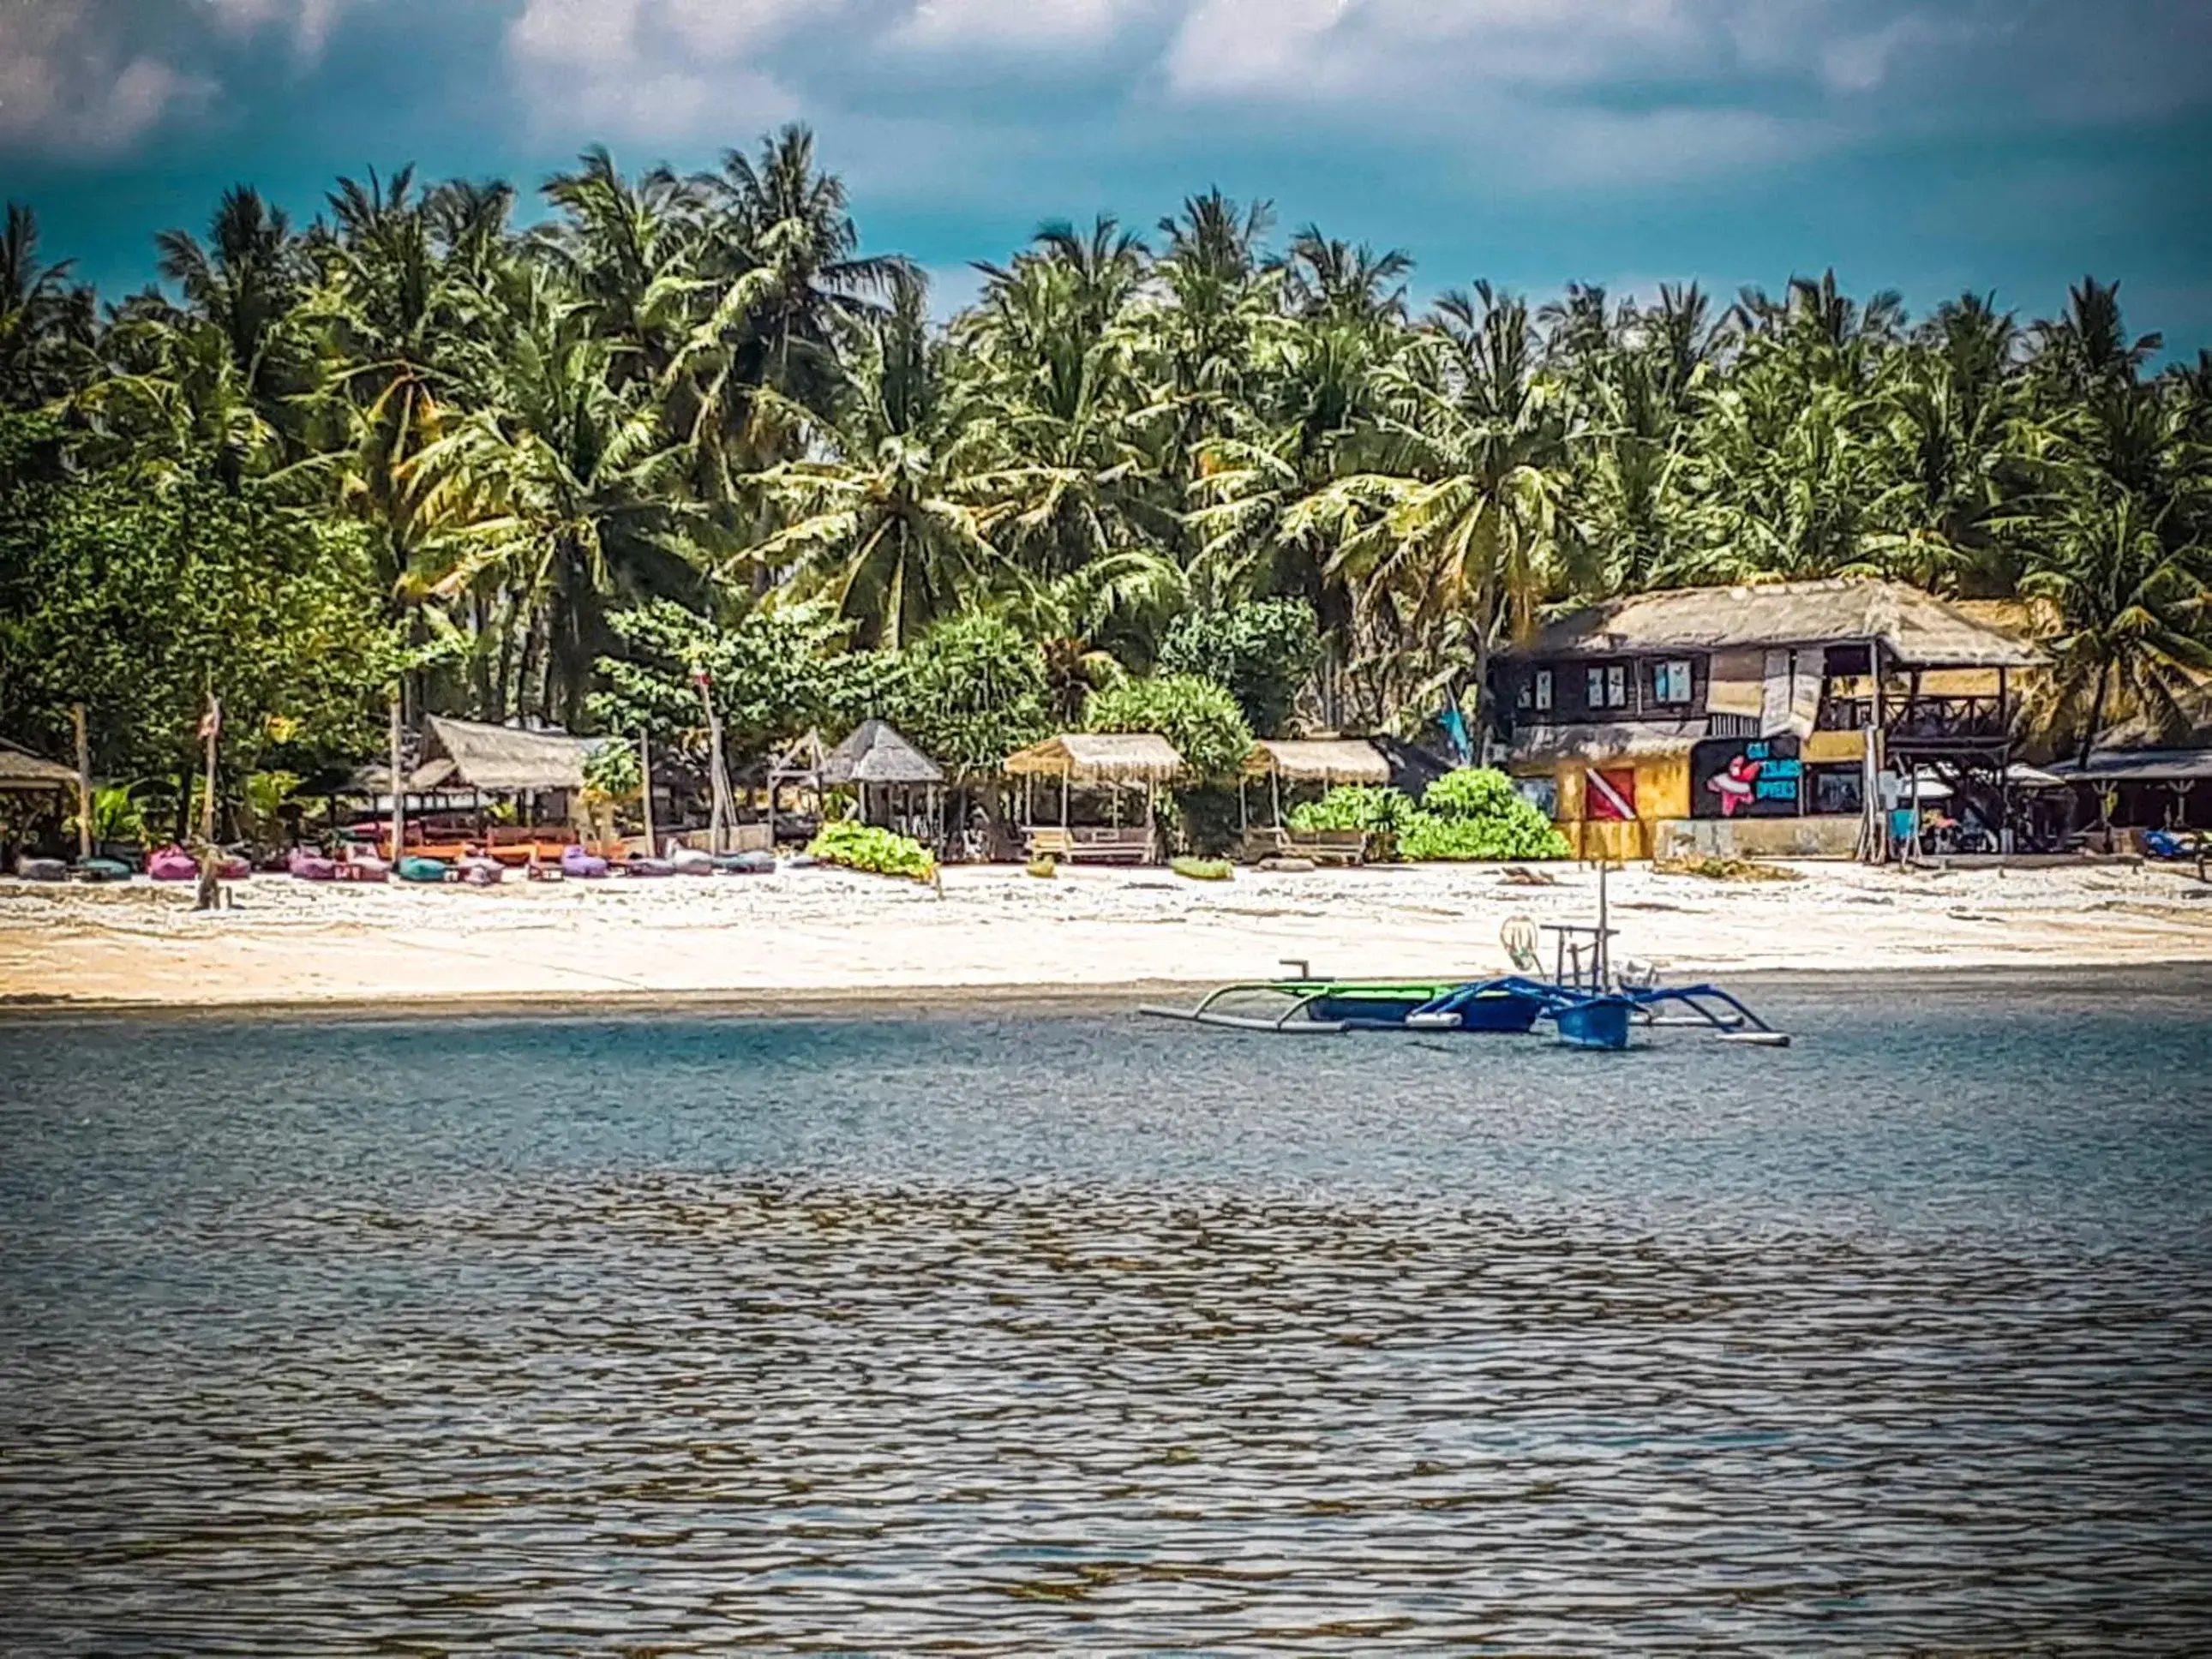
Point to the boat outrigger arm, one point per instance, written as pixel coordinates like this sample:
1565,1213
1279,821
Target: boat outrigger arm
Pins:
1588,1005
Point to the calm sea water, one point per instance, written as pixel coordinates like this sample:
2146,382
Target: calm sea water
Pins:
1028,1333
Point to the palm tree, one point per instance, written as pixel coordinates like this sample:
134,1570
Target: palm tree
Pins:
1453,538
2132,609
246,285
879,522
45,322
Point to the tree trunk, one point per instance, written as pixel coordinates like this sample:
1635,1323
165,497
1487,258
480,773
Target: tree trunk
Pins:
2096,712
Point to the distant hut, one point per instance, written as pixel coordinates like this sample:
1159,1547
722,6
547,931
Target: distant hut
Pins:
886,770
27,777
2149,765
1315,762
1117,763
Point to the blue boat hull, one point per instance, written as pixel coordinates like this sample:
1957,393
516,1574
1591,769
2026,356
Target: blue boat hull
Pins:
1595,1022
1485,1010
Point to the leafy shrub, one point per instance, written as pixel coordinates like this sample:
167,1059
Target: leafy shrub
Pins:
1203,869
865,846
611,772
1473,792
1199,717
1355,806
1474,813
1261,651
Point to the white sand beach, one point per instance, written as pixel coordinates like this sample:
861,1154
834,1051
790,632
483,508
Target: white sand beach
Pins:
822,931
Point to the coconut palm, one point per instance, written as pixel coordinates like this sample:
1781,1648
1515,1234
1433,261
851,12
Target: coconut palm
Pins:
46,321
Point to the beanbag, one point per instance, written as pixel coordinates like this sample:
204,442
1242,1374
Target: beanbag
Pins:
173,864
746,864
41,870
647,868
103,870
423,870
482,872
581,866
689,861
311,866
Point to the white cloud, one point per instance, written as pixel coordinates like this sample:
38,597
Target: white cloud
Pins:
659,69
89,76
1015,25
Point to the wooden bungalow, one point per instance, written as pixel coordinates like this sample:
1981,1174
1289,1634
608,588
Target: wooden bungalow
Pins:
887,771
1317,763
1118,763
1759,719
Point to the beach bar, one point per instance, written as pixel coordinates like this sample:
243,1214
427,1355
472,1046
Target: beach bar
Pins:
1117,763
1770,719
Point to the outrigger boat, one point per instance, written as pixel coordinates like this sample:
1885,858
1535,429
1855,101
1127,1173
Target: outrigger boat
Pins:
1587,1005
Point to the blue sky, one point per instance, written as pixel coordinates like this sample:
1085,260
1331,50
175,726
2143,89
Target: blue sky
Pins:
1927,147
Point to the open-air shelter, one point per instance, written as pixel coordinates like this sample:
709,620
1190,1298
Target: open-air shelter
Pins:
1324,763
1118,762
887,771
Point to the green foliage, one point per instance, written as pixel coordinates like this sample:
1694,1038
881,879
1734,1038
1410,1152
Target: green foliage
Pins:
773,674
138,604
1203,869
1199,717
611,772
865,846
1262,652
969,693
1473,813
1376,810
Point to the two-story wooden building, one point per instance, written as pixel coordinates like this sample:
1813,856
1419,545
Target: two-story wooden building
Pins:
1750,719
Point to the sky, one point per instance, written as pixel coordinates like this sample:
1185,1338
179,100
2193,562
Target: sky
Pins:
1931,148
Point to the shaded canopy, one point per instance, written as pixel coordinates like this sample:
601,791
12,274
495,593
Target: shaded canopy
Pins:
1914,627
498,759
22,772
1100,758
876,753
1333,760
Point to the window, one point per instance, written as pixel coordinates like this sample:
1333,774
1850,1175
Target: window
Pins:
1670,681
1606,685
1536,691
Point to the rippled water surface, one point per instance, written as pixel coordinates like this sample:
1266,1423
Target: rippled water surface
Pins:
1023,1333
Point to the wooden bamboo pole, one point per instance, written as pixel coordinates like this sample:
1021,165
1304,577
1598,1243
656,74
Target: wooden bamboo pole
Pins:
83,786
645,771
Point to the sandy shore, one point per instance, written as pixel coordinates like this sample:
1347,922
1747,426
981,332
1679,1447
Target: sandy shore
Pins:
826,932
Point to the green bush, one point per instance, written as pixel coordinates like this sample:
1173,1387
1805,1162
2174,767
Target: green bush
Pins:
1203,869
1262,652
1199,717
864,847
1355,806
1475,814
1473,792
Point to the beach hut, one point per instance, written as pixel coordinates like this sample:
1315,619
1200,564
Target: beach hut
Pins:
27,777
886,771
1322,763
1118,762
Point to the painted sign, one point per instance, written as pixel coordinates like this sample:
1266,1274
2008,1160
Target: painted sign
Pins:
1610,794
1746,778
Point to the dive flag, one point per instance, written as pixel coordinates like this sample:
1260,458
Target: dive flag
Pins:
1610,794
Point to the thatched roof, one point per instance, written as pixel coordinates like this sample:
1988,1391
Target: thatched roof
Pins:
876,753
22,772
1318,760
1915,629
500,759
1547,745
1100,758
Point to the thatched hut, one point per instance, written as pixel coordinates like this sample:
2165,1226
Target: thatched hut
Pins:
1322,762
1118,762
887,770
22,773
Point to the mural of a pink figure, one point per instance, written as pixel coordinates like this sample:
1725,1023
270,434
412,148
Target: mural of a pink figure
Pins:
1734,785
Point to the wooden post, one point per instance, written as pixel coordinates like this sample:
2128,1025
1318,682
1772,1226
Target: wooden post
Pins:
210,884
83,786
645,771
718,775
399,789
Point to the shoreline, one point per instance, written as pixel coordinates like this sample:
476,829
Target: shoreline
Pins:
1044,1001
803,940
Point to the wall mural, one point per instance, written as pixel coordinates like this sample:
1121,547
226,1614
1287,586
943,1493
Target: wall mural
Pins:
1746,778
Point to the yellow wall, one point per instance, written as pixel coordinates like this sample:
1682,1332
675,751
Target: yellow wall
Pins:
1825,748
